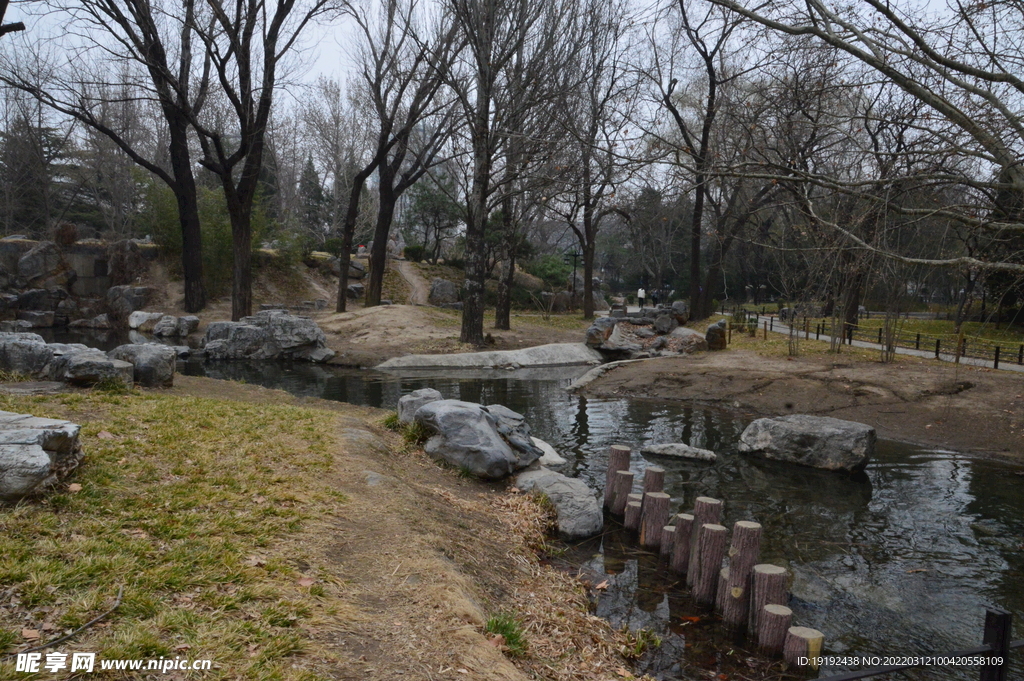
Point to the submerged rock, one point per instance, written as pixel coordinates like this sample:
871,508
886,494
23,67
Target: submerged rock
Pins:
816,441
679,450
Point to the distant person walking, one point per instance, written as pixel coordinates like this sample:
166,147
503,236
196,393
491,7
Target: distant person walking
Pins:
640,295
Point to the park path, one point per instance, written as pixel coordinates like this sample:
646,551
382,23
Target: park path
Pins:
418,288
778,327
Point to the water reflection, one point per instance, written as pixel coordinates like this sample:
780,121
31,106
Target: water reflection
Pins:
901,559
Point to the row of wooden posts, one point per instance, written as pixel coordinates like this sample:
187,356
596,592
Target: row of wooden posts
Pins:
748,595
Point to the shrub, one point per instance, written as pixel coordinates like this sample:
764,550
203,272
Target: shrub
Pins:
415,252
511,629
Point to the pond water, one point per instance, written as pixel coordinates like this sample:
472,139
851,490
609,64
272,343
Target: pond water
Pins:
901,559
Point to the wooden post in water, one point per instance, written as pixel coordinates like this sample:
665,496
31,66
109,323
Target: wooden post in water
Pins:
711,540
681,550
705,510
772,626
803,642
632,516
768,585
618,460
743,554
622,485
653,517
654,481
668,541
721,589
998,624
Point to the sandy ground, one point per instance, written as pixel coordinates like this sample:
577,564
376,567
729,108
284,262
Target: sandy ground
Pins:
921,401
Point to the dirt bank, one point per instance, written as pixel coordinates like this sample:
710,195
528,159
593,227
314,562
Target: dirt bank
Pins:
913,400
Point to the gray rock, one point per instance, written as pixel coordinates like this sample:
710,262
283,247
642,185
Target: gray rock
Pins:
716,336
270,334
241,341
101,321
645,333
89,367
187,325
693,341
816,441
561,302
38,320
443,292
600,303
579,514
166,327
143,321
41,299
123,300
467,436
153,364
513,427
408,404
678,450
15,326
41,263
182,351
355,291
681,310
599,331
550,457
24,353
665,323
35,453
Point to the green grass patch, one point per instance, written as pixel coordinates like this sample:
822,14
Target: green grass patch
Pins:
508,626
184,508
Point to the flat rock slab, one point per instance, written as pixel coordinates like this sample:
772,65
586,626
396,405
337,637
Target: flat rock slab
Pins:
579,514
816,441
678,450
552,354
35,453
33,388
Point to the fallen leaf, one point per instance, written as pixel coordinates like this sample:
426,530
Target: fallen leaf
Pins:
30,634
306,581
602,585
462,671
623,673
255,561
690,619
182,648
104,435
48,626
497,640
74,487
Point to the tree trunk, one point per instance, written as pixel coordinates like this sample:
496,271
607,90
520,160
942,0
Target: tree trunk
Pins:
188,216
589,229
476,254
241,247
348,234
379,253
503,311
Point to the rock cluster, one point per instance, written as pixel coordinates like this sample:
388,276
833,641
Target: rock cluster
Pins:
269,334
28,354
637,337
35,453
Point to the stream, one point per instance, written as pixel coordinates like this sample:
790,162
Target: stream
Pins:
901,559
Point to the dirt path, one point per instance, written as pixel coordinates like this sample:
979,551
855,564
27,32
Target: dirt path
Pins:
418,288
915,400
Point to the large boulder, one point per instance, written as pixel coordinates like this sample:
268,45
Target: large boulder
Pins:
171,326
35,453
153,363
101,321
143,321
43,267
355,291
24,353
600,303
443,292
466,435
38,320
408,404
681,310
599,331
270,334
693,341
716,336
89,366
123,300
816,441
513,427
579,514
665,323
